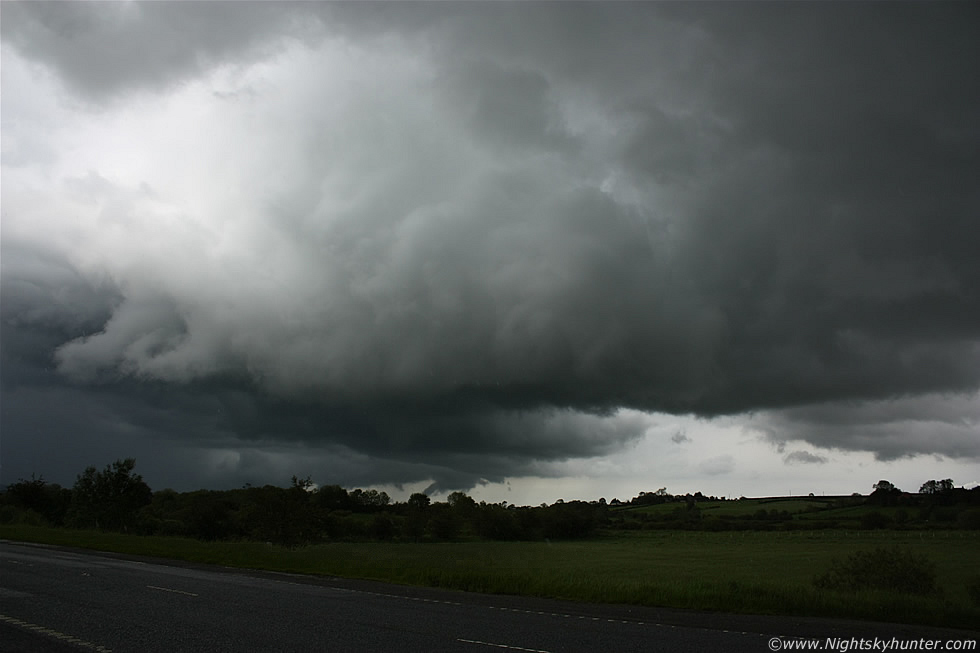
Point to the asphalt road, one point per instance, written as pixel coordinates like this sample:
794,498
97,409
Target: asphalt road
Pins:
57,599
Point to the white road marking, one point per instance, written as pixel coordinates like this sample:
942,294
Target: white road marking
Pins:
491,607
167,589
520,611
54,633
509,648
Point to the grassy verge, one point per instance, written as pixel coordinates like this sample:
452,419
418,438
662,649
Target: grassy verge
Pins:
751,572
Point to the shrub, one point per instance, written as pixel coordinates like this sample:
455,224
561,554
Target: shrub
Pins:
874,520
9,515
969,519
891,569
15,515
973,589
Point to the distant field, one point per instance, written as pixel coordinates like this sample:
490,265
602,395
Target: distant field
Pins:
755,572
743,507
792,513
735,508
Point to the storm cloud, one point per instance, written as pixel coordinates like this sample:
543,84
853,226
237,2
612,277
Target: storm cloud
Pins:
804,458
452,243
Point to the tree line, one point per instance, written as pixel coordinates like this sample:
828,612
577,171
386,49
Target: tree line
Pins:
116,498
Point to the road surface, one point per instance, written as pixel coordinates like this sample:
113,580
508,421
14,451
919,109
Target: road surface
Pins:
56,599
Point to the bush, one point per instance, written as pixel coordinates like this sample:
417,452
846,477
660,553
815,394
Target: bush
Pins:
383,527
9,515
15,515
969,519
874,520
973,589
891,569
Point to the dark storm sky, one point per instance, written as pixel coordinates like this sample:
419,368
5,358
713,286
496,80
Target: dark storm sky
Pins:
460,242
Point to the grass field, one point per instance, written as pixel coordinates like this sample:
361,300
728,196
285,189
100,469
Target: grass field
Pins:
766,573
741,508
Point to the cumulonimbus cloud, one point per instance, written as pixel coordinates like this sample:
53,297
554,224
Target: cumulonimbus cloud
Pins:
412,252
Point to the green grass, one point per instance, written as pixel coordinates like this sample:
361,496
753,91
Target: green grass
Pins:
800,512
741,508
752,572
791,505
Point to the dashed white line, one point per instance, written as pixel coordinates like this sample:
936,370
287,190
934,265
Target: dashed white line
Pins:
167,589
521,611
50,632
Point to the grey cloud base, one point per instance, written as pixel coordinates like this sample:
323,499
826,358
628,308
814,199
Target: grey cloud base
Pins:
458,239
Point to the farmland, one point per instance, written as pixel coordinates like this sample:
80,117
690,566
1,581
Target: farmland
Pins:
841,556
749,571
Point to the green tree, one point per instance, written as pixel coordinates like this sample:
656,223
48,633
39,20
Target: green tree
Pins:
417,517
495,522
929,487
463,507
418,502
383,527
38,497
369,499
109,499
28,494
210,515
333,497
286,516
885,494
461,502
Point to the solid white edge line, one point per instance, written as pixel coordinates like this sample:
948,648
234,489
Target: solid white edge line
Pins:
509,648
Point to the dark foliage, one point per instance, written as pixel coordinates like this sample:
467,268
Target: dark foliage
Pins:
109,499
937,487
890,569
49,501
973,589
117,499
